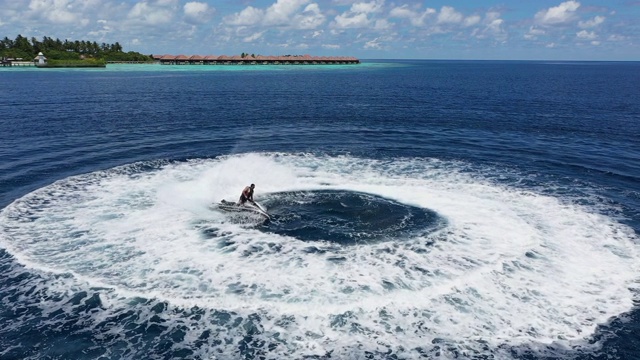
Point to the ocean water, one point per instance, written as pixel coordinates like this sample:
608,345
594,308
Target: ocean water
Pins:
419,209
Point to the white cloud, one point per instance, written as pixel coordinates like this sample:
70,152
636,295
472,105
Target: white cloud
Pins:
147,14
558,15
586,35
40,5
55,11
406,26
534,33
358,15
402,12
248,16
450,21
281,11
373,44
495,27
197,11
60,16
449,15
591,23
382,24
166,2
367,8
103,31
416,18
472,20
253,37
310,18
492,27
616,37
345,21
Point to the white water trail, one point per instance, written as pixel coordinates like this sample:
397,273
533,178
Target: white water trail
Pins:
511,267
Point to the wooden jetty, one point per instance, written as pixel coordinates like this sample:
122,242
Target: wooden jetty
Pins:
13,62
254,60
38,61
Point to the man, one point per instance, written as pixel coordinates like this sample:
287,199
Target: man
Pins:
247,194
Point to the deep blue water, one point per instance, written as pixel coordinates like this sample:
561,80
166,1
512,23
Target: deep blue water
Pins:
443,209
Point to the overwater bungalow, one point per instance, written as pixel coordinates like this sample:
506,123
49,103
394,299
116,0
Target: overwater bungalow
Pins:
254,60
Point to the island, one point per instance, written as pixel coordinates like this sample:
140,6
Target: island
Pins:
54,53
49,52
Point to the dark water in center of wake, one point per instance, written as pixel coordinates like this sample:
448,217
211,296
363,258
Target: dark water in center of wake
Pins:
345,218
568,131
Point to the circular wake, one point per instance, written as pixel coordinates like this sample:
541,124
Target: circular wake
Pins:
445,256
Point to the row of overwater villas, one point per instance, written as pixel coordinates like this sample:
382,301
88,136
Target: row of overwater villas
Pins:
254,60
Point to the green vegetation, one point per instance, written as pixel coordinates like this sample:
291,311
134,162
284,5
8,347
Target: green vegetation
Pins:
57,49
76,63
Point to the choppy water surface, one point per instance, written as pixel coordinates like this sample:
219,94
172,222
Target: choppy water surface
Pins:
441,223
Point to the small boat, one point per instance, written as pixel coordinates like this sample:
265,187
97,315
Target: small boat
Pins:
252,207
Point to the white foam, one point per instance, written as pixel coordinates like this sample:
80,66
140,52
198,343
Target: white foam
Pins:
512,266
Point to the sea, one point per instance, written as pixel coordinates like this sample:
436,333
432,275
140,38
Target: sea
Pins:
417,210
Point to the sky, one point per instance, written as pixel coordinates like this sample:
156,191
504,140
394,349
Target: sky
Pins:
367,29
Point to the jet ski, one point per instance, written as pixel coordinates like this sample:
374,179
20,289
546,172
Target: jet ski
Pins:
252,207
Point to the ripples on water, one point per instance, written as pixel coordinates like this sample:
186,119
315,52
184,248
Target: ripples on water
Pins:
418,209
359,254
